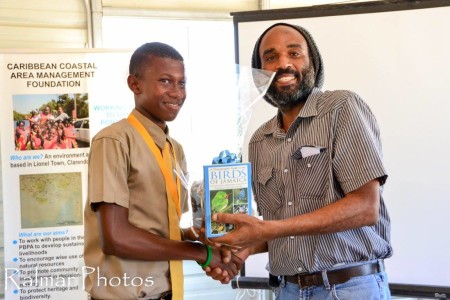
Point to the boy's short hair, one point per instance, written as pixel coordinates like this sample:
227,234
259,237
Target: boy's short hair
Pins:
139,59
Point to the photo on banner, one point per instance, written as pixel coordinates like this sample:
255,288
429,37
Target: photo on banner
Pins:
51,121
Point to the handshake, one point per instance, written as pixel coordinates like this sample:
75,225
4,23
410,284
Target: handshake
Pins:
225,255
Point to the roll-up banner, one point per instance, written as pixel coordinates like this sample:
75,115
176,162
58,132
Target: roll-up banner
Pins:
52,104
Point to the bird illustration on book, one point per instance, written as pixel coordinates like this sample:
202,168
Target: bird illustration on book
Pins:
242,195
220,202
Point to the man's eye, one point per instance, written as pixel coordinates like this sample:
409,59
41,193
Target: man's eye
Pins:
182,84
166,81
270,58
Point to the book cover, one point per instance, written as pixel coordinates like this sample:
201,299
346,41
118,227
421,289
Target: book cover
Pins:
227,189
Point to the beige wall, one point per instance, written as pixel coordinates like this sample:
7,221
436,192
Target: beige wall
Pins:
43,24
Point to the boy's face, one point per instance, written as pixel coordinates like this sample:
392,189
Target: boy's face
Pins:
160,91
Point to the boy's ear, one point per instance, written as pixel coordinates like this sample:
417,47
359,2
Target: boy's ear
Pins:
133,84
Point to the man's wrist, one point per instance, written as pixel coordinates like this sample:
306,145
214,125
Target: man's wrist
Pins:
194,233
189,234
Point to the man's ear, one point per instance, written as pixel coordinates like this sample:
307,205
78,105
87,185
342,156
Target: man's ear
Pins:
133,84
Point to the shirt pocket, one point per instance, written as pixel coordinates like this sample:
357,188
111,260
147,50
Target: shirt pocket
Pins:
311,175
269,200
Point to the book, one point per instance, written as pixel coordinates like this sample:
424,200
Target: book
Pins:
227,189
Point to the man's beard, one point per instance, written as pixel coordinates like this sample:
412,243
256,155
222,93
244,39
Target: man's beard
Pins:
288,97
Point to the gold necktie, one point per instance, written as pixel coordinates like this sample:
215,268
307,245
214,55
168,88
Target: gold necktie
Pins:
174,214
173,202
167,157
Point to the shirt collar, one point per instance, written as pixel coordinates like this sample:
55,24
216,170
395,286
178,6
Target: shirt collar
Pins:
158,135
308,110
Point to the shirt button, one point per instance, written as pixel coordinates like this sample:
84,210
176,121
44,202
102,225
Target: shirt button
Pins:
292,237
290,203
289,139
309,165
299,269
286,170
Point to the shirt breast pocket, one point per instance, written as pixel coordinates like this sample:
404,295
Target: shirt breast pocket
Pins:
269,200
311,175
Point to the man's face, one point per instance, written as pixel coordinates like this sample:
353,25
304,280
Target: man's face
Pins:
285,51
60,110
160,91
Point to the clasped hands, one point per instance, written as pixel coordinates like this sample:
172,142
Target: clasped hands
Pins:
231,250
